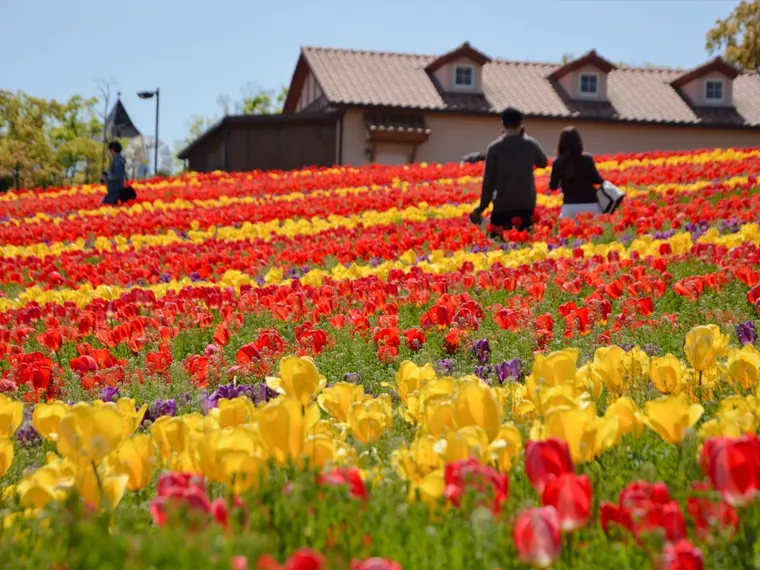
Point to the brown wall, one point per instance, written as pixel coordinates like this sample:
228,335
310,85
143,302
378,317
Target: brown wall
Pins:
453,136
209,156
280,146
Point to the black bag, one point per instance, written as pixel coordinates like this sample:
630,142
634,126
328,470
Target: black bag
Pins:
127,194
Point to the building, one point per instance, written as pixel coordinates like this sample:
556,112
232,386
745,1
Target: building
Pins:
396,108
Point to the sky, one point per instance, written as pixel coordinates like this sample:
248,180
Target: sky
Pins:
195,50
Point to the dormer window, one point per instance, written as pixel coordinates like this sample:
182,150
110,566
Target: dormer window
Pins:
464,76
714,92
589,84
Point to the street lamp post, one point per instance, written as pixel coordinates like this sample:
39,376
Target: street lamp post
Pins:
149,95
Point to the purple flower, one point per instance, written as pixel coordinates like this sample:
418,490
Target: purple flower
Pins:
483,372
746,332
352,377
109,394
627,346
195,277
165,278
27,435
257,393
509,369
444,366
481,349
158,409
651,349
375,261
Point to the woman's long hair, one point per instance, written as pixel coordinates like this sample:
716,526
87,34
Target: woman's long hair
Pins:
571,146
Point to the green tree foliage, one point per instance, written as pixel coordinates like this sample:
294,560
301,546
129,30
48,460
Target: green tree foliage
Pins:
253,102
264,102
44,142
738,36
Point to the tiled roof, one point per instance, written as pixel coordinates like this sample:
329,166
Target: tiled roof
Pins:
398,80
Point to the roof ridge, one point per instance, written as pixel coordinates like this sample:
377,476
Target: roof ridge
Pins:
508,61
366,51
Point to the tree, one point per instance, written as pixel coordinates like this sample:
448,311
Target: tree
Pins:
254,101
26,153
45,142
75,139
263,102
738,36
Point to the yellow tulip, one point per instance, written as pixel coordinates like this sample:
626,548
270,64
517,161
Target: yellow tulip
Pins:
467,442
506,449
742,410
11,415
636,363
238,457
135,458
170,435
418,459
439,417
665,373
370,419
744,366
282,425
475,404
703,345
47,484
319,449
590,381
103,491
131,417
672,416
299,379
337,399
555,368
410,378
609,365
235,412
586,435
542,400
87,434
626,410
6,455
47,417
721,427
430,488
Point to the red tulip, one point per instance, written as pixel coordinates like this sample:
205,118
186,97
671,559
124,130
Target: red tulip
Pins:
682,555
537,536
733,466
545,460
348,477
468,474
305,559
375,564
709,516
570,495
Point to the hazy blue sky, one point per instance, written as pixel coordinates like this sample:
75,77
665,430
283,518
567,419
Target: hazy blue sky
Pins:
196,50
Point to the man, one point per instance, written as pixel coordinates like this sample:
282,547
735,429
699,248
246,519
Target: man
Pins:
508,179
116,176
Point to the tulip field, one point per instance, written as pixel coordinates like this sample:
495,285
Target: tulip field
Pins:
334,369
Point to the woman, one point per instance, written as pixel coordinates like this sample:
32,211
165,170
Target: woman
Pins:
575,172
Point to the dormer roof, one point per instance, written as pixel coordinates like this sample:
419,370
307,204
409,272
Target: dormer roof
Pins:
718,64
589,59
465,51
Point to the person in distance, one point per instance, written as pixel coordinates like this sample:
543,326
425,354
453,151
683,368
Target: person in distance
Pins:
575,173
116,176
508,179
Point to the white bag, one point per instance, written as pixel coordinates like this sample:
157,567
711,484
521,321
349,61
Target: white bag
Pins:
609,197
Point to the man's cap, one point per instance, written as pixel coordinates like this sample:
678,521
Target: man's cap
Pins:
511,117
